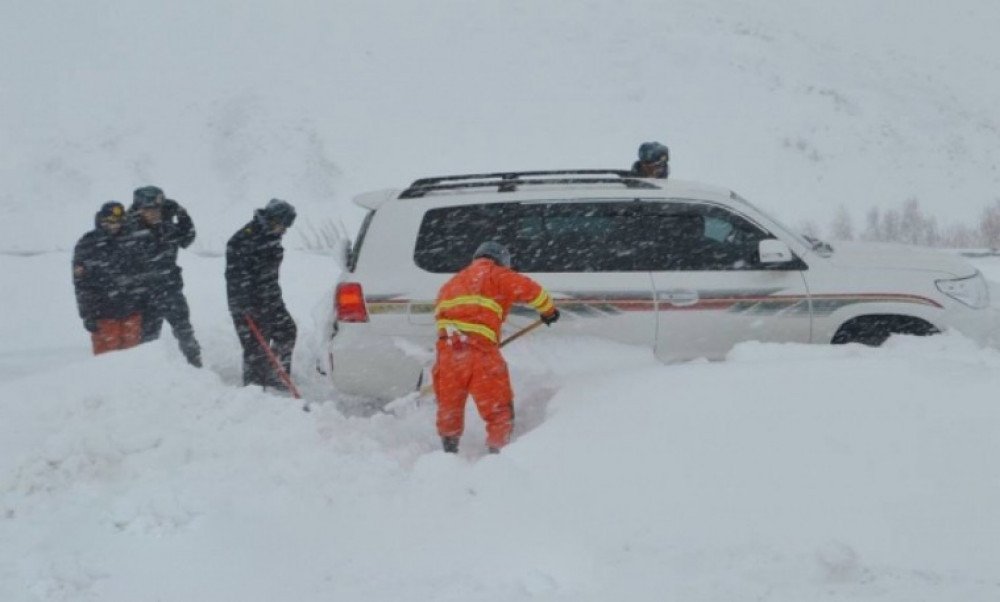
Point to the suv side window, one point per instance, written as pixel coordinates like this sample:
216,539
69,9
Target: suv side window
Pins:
701,237
590,236
448,236
578,237
542,237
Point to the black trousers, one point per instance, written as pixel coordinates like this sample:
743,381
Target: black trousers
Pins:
279,333
169,304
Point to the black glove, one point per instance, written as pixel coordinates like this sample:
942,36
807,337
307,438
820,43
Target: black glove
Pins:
550,319
90,324
171,208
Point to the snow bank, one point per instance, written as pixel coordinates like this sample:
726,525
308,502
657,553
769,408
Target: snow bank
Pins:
788,471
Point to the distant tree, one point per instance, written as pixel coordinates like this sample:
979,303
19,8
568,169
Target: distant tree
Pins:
915,228
932,236
873,226
989,225
890,226
809,228
911,222
910,225
960,236
842,227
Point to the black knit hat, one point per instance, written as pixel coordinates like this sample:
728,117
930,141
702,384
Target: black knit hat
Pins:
278,211
650,152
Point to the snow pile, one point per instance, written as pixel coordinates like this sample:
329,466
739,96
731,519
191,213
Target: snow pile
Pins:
789,472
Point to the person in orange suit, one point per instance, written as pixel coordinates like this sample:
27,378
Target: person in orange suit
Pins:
471,308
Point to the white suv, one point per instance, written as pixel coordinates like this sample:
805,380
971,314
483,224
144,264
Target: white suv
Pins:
687,269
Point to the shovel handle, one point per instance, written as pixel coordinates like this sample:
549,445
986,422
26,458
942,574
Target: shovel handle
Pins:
278,368
522,332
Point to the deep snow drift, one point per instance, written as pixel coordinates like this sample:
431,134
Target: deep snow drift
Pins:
787,472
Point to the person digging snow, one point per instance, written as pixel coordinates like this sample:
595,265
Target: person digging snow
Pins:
471,308
253,260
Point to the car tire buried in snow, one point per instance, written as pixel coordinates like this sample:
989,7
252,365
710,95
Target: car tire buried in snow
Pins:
873,330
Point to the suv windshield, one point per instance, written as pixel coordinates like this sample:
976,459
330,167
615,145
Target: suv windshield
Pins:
590,236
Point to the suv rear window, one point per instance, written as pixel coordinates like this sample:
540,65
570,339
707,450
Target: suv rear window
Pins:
588,236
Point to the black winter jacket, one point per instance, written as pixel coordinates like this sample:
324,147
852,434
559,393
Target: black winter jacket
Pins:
253,260
159,244
107,274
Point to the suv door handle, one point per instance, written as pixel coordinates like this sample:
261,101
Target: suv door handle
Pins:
679,297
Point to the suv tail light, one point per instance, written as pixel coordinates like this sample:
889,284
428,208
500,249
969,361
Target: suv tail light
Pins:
349,302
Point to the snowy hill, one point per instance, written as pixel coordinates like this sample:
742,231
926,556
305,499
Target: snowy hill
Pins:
800,107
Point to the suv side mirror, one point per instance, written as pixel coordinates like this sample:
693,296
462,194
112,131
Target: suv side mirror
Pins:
772,250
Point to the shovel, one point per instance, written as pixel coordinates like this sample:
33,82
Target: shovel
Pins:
278,368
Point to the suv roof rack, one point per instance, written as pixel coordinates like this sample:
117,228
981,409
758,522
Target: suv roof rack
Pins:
509,181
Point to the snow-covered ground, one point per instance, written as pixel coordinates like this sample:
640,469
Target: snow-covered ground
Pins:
785,473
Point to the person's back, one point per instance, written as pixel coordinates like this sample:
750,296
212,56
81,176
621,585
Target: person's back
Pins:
240,268
478,298
253,264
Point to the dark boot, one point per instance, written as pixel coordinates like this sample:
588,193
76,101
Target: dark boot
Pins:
494,450
450,444
193,357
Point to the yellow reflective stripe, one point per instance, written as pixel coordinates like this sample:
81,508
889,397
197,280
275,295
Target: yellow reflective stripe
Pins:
543,303
481,301
485,331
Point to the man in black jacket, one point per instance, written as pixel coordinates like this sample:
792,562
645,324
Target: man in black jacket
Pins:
164,227
253,260
105,278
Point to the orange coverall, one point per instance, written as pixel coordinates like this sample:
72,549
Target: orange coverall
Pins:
471,308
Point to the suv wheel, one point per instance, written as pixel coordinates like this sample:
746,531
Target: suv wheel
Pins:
875,329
